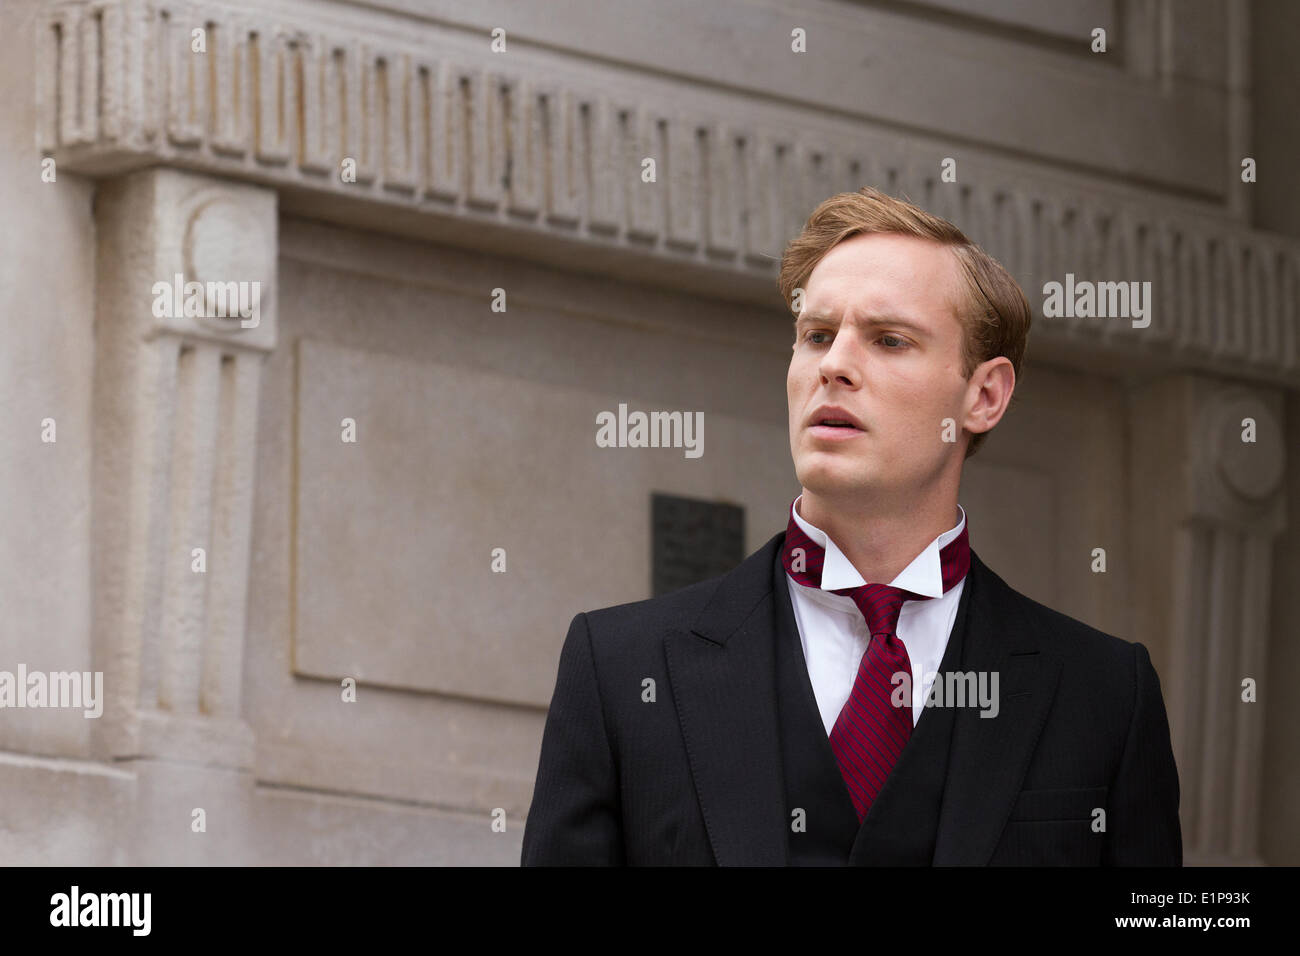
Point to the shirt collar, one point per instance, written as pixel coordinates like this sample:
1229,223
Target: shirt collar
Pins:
923,576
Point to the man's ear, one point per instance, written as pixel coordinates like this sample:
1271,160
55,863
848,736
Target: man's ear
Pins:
991,386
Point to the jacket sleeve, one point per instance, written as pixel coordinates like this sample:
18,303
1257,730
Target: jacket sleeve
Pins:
1142,822
575,818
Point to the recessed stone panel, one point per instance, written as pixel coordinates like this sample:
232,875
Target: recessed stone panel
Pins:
395,533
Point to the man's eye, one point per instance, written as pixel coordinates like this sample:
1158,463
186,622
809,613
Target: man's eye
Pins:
893,342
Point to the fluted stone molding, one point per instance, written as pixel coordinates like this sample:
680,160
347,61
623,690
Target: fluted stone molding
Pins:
1237,511
445,135
175,437
1213,506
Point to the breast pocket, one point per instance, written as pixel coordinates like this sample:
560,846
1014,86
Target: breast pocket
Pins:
1052,828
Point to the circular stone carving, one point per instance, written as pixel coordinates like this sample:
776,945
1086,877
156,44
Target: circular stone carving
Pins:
1253,470
226,242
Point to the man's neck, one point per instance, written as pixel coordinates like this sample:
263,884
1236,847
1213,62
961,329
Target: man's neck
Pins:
880,544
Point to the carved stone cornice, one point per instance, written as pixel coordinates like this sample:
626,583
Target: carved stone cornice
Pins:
444,132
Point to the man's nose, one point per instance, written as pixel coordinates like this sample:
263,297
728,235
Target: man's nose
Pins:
842,362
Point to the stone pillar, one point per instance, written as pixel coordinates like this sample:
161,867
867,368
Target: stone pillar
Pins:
176,397
1206,509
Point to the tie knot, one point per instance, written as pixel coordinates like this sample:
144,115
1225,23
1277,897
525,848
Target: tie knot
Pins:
880,605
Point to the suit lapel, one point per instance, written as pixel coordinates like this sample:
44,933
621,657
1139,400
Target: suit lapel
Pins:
989,756
724,684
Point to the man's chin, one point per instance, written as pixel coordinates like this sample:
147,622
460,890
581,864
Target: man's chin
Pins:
834,479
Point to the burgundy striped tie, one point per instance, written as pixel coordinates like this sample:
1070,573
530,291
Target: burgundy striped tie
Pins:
871,732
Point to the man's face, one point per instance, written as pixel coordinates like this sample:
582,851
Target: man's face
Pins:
879,337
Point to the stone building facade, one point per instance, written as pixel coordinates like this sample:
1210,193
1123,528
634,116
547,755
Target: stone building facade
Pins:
324,551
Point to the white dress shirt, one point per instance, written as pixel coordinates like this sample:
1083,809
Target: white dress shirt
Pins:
834,633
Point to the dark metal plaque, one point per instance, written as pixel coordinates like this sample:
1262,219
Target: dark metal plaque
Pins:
693,540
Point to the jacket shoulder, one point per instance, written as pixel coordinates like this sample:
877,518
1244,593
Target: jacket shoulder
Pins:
676,609
1064,635
637,623
1100,672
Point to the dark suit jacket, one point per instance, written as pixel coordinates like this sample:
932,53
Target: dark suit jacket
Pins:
695,776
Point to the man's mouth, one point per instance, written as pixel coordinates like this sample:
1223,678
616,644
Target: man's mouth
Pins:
830,429
828,418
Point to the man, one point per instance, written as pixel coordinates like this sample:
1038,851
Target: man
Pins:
797,711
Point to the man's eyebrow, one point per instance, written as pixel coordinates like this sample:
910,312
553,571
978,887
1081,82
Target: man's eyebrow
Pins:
897,321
